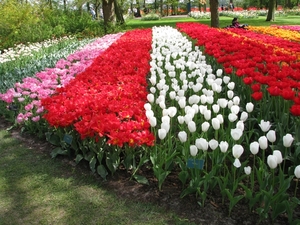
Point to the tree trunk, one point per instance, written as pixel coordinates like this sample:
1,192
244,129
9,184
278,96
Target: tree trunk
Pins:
214,11
108,11
271,10
118,12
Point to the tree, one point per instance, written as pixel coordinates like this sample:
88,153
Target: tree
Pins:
271,10
214,11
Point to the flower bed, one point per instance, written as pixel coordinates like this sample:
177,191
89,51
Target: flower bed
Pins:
209,113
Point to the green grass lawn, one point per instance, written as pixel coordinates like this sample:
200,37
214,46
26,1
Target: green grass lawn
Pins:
35,189
223,21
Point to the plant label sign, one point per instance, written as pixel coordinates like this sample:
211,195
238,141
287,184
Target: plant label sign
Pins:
68,138
195,163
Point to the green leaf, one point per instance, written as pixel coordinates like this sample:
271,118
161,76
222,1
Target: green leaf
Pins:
278,209
58,151
53,139
79,157
183,176
102,171
141,179
92,164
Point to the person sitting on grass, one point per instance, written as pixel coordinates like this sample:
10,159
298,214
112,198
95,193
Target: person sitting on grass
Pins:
236,24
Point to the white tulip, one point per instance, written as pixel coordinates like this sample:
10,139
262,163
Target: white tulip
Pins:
219,72
240,125
222,102
254,147
147,106
207,114
244,116
236,134
152,121
180,119
152,90
265,125
193,150
210,99
172,111
205,126
215,108
215,123
182,102
226,79
237,151
247,170
203,99
192,126
287,140
271,136
232,117
165,126
263,142
182,135
213,144
230,94
223,145
162,133
278,155
202,144
297,171
249,107
220,118
235,109
237,163
272,161
231,85
172,95
149,114
166,119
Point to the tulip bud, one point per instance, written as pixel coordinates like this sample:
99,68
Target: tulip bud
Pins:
254,147
216,108
240,125
215,123
297,171
152,121
287,140
232,117
237,163
249,107
201,144
247,170
244,116
237,151
162,133
150,98
220,118
230,94
193,150
223,146
180,119
213,144
147,106
236,134
263,142
222,102
272,161
205,126
278,155
192,126
271,136
182,135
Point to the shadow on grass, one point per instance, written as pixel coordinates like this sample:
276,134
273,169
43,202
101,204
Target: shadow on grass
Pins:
35,189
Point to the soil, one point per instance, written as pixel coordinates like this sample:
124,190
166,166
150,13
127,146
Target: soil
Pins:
187,208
